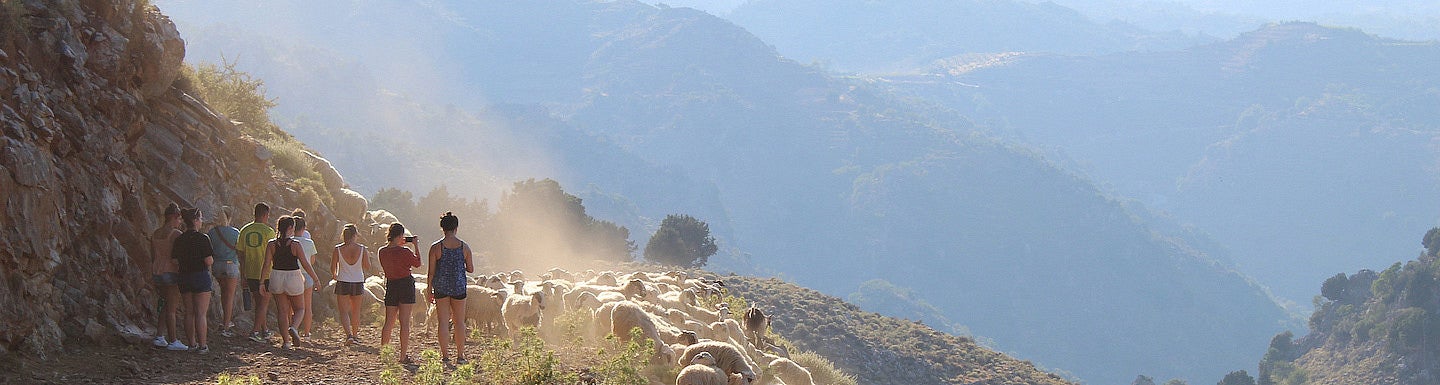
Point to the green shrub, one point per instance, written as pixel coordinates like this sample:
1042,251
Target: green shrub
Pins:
625,363
391,372
822,369
525,362
227,379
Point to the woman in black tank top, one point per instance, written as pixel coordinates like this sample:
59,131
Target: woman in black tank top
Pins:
282,258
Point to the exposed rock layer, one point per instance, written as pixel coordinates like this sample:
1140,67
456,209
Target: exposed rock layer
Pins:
96,141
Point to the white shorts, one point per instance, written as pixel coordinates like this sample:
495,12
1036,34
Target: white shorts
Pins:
287,282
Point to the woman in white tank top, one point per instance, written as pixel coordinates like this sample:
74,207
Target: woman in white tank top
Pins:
349,267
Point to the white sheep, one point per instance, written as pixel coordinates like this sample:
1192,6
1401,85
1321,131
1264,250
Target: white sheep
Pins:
628,315
523,310
727,357
702,371
788,372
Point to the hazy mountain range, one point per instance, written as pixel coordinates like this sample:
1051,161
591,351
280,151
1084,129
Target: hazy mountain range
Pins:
989,190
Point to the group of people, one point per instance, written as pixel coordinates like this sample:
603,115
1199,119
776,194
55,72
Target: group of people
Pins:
277,263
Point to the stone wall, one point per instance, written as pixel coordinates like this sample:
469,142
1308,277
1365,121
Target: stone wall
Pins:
96,140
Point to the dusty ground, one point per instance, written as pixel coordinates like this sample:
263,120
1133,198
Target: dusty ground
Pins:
325,360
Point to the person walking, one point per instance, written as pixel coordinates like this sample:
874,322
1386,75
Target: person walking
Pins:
396,260
307,246
350,262
193,254
166,276
223,240
287,281
251,249
450,261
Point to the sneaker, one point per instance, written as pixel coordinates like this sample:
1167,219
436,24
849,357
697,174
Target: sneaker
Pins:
286,346
269,333
461,361
160,342
294,335
227,333
177,346
203,349
257,337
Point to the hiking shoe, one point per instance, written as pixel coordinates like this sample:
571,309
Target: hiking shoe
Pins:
203,349
177,346
227,333
294,335
160,342
287,346
461,361
258,338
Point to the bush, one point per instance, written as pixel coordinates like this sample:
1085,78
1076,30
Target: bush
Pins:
227,379
822,369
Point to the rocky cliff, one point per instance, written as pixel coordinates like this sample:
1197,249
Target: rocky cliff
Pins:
96,141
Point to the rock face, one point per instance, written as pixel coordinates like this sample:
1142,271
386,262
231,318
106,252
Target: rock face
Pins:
96,141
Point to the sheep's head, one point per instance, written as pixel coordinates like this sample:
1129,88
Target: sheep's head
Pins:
518,287
703,358
688,337
539,298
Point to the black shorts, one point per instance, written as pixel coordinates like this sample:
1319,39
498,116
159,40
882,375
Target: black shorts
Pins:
439,295
349,288
257,287
195,282
400,291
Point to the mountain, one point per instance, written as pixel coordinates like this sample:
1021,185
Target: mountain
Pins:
1301,149
1370,328
900,36
829,182
97,140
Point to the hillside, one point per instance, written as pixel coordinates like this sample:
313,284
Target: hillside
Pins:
903,36
96,141
1370,329
826,181
1275,123
879,349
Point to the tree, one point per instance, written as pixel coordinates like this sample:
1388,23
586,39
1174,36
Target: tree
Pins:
681,240
538,225
1176,381
1237,378
1143,380
1334,288
1432,241
398,202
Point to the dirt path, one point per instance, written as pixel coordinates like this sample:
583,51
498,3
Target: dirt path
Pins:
325,360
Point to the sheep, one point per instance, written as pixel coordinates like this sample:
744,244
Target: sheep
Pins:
755,323
604,279
788,372
585,300
635,289
493,282
727,357
702,371
483,306
522,310
683,299
627,315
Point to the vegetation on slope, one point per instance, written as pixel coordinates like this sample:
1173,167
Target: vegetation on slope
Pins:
1368,328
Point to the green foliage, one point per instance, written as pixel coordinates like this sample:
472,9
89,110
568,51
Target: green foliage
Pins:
1239,377
525,361
1143,380
1334,287
1176,381
681,240
227,379
538,221
822,369
432,371
391,372
625,363
1431,241
237,95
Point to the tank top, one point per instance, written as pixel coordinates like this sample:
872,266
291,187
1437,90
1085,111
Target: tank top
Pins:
284,258
352,273
450,270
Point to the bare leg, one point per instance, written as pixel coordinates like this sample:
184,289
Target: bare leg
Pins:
172,310
342,312
391,312
355,316
442,307
262,306
309,310
201,317
297,304
189,302
283,318
227,301
457,320
405,330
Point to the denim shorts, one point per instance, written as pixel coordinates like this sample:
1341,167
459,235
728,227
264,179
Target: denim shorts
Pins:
225,269
166,279
195,282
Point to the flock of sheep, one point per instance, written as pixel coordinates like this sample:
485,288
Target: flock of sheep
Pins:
709,346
